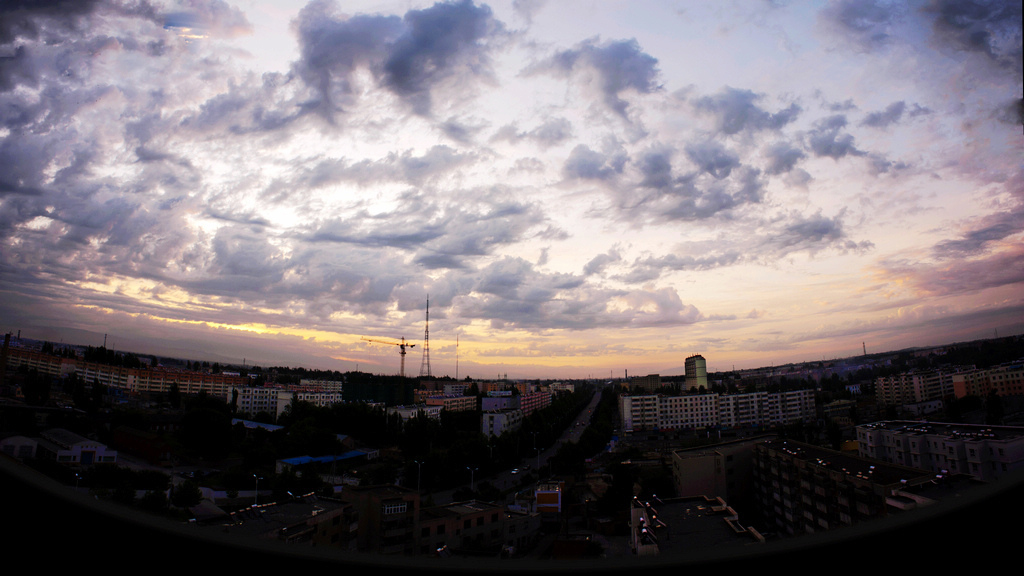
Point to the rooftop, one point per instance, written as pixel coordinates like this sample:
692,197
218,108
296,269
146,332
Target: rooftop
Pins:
951,430
852,465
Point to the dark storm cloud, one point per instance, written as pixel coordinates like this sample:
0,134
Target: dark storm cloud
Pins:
512,293
736,110
892,114
827,139
719,184
689,202
651,268
332,49
23,159
656,168
409,56
988,27
15,69
789,234
444,41
867,24
549,133
959,276
782,157
811,234
249,106
589,164
990,229
599,263
31,19
619,66
395,167
210,17
713,158
437,235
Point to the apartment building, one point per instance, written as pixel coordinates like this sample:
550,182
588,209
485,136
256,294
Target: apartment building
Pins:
720,470
530,402
250,400
498,422
407,412
915,387
454,403
801,488
639,412
322,385
1002,380
471,525
132,380
688,411
693,411
984,452
387,518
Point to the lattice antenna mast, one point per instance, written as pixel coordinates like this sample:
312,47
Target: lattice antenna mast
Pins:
425,365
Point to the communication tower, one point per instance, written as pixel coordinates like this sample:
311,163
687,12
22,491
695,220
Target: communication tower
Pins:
425,365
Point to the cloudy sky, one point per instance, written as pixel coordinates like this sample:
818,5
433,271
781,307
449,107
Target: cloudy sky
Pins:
581,188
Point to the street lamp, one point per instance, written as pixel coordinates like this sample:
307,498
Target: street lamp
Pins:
472,484
419,469
257,500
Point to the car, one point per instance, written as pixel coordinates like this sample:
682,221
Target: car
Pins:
515,470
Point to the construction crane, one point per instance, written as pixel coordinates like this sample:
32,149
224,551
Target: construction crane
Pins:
401,349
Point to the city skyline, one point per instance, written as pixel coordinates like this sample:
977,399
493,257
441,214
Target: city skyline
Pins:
581,189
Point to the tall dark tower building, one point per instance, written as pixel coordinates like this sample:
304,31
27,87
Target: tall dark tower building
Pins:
425,366
696,372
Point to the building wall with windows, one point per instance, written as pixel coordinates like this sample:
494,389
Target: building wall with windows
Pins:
454,403
915,387
387,518
407,412
1003,380
984,452
530,402
498,422
471,526
695,411
802,488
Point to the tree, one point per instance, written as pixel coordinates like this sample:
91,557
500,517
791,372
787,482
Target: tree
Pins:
174,395
153,501
993,408
186,494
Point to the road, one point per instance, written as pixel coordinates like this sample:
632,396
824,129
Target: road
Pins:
506,481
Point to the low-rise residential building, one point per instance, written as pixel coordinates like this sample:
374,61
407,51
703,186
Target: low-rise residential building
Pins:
407,412
66,447
462,526
550,499
387,518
